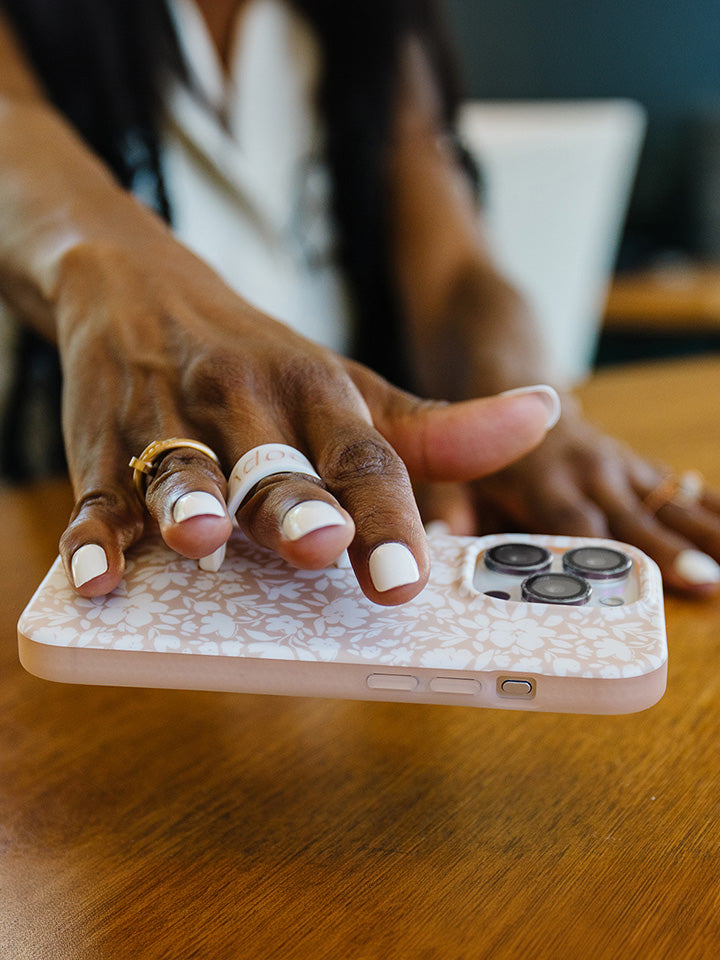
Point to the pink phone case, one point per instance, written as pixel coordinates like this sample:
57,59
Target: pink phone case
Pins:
260,626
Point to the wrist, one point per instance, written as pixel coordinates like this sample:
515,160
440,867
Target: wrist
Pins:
483,340
106,277
62,197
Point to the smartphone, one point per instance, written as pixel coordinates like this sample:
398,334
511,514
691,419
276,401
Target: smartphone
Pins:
507,621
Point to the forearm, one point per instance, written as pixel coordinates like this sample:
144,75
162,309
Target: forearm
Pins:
468,331
55,195
481,338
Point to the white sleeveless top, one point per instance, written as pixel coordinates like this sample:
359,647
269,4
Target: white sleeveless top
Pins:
242,159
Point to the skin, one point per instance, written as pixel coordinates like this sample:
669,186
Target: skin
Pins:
153,344
471,334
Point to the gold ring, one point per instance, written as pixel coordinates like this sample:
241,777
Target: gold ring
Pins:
684,490
144,465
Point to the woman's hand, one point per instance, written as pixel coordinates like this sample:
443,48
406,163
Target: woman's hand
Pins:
580,482
154,345
471,333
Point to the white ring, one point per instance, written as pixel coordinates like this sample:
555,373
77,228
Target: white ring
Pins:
262,462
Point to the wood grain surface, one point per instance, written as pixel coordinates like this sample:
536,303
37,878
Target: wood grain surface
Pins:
675,298
156,825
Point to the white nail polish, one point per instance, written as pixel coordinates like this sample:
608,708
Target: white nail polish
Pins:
437,528
310,515
197,503
392,565
696,567
547,394
213,561
87,563
343,561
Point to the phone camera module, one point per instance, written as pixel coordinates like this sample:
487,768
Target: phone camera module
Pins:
517,559
556,588
597,563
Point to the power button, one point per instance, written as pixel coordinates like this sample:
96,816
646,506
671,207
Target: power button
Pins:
515,687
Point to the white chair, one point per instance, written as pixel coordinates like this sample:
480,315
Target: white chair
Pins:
558,178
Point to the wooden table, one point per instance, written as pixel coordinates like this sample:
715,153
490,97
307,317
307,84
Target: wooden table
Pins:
140,824
670,299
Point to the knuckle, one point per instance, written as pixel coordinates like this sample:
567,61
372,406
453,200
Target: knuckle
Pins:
212,379
575,519
364,457
180,467
117,504
103,510
314,379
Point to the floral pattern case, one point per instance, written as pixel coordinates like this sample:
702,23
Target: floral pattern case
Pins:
260,626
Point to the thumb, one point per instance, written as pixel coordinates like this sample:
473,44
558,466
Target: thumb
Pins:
460,441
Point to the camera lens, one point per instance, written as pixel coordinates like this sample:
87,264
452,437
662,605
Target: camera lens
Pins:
556,588
518,559
597,563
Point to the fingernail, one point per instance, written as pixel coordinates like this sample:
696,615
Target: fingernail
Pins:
392,565
547,394
437,528
197,503
87,563
343,561
696,567
311,515
213,561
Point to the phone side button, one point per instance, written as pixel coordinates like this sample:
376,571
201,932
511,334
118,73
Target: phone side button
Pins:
464,686
516,688
392,681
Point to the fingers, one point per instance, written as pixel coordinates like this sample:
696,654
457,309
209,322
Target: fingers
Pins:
684,540
364,504
186,498
686,545
298,519
280,502
459,441
389,552
569,511
447,507
683,566
695,523
106,520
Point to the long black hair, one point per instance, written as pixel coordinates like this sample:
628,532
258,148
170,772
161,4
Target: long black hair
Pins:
102,63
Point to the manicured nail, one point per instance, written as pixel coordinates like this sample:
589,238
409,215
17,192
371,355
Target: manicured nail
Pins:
87,563
213,561
696,567
343,561
197,503
311,515
547,394
392,565
437,528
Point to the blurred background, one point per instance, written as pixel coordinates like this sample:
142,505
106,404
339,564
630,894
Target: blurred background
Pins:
666,57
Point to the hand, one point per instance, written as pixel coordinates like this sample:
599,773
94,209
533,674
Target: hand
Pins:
580,482
155,346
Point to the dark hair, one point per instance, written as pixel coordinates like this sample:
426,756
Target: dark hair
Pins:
102,63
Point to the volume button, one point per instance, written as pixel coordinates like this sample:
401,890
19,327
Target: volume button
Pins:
462,686
392,681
